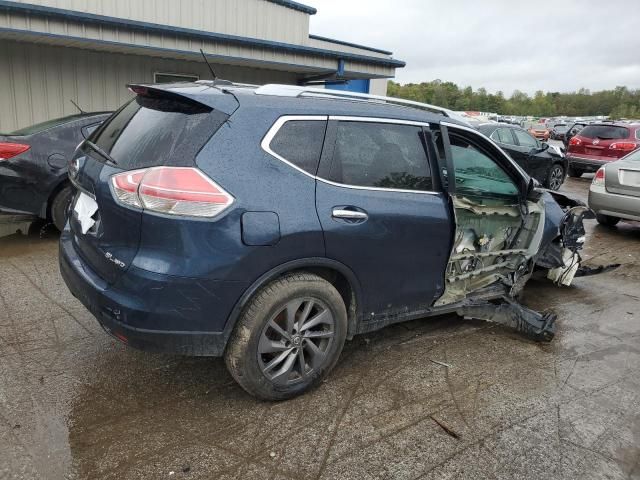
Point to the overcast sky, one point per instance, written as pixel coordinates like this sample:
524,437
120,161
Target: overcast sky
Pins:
560,45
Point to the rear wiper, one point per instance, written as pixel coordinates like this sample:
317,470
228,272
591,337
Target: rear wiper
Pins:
100,152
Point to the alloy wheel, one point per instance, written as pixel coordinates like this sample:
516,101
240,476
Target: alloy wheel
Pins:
556,177
295,341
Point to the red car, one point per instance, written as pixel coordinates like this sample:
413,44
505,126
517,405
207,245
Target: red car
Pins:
539,131
598,144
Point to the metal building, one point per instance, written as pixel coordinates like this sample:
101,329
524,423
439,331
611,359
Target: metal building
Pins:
54,51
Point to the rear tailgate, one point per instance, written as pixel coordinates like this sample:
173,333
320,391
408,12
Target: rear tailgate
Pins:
623,177
158,127
601,141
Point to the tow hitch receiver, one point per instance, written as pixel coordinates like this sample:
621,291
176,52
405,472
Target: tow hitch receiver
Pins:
536,326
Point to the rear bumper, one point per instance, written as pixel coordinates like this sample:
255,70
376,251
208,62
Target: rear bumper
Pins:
614,205
154,312
587,164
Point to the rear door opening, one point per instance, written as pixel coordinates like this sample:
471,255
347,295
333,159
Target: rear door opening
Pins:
496,231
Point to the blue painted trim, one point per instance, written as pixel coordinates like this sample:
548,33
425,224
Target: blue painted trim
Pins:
349,44
295,6
188,32
196,55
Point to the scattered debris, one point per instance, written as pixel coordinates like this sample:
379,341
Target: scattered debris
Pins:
17,426
172,473
186,469
440,363
272,454
444,427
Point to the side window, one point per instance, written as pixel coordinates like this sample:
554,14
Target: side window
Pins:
300,142
383,155
477,174
525,140
504,136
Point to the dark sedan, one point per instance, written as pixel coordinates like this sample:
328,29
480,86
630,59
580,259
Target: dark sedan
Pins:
535,157
33,165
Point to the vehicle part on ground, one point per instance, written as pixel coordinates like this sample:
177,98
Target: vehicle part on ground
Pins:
536,326
288,338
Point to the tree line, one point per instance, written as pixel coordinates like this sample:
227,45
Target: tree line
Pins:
620,102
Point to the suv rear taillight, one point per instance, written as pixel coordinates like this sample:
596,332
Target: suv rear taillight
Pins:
623,146
10,150
575,142
598,180
171,190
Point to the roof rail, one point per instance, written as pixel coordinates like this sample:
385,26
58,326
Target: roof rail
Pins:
298,91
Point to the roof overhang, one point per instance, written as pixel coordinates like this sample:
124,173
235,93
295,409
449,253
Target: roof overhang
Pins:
173,53
83,18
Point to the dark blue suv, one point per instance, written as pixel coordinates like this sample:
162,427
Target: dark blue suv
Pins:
270,224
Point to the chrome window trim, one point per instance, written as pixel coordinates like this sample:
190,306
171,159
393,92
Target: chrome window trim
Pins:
273,130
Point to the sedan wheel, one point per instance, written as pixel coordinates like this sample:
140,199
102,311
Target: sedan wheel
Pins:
556,177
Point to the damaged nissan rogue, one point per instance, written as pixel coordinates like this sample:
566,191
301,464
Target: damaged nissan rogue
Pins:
270,224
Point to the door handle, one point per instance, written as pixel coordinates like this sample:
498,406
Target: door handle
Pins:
348,214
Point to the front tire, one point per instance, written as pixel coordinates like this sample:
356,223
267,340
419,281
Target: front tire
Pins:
555,179
59,207
607,220
288,338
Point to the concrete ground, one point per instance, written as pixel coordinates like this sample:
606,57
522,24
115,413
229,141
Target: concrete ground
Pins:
440,398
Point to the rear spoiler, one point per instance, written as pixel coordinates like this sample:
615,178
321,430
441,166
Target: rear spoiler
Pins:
206,95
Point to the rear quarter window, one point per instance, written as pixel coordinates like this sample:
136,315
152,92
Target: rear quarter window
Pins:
300,143
605,132
150,131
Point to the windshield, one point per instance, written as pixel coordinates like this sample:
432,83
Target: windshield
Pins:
40,127
605,132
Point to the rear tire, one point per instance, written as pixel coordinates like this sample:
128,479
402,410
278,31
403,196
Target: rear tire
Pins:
607,220
574,172
288,338
59,207
555,179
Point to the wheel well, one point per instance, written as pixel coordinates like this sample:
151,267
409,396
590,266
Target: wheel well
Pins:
56,190
344,287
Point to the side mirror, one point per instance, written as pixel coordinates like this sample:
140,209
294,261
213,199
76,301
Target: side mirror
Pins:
532,192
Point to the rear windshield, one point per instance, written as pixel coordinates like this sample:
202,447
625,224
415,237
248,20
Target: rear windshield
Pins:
41,127
604,132
150,131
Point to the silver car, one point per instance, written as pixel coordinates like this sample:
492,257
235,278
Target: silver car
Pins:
615,191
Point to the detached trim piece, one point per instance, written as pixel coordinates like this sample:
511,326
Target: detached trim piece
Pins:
103,20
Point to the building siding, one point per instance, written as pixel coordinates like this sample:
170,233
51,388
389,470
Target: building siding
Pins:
249,18
42,79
